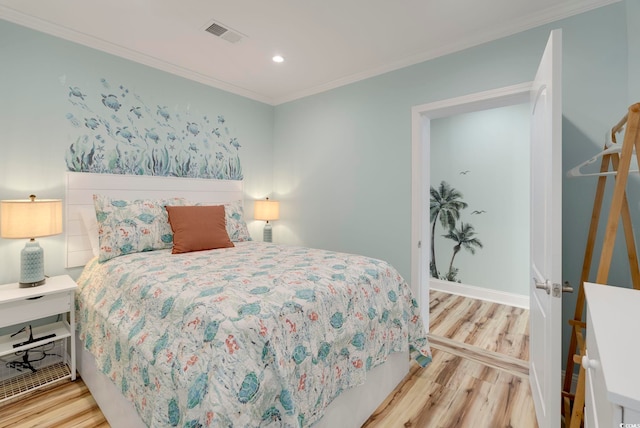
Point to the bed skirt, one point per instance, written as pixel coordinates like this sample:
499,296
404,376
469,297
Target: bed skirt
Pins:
349,410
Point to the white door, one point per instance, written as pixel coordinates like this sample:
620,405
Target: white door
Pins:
546,236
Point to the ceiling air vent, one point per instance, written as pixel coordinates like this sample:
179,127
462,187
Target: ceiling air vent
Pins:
225,33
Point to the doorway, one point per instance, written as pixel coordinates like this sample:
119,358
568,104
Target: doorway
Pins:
545,98
422,117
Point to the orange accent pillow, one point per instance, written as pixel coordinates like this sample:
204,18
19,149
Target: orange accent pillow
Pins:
197,228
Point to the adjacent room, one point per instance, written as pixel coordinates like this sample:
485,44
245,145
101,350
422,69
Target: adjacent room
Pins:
360,214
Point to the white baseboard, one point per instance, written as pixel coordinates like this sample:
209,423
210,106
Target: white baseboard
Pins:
502,297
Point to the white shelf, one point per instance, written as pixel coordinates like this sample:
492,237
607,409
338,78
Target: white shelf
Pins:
61,330
26,382
21,306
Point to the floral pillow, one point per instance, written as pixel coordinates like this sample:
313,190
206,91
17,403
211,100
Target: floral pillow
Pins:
236,226
234,216
126,227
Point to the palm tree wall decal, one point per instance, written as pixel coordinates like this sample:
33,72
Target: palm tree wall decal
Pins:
464,238
445,204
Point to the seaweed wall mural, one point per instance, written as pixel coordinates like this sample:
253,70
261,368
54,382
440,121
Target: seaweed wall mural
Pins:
119,132
446,205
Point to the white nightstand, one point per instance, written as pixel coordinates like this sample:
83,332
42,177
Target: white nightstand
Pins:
21,305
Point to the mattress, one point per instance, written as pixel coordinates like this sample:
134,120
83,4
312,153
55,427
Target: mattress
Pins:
255,335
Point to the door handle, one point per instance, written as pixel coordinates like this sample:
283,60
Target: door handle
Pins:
555,287
590,364
543,286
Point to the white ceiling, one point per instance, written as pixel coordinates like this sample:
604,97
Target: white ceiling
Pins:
325,43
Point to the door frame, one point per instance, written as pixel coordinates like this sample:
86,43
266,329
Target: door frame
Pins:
421,116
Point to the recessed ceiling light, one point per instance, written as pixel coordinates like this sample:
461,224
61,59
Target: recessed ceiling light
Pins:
278,58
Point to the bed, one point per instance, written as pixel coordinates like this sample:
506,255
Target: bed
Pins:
254,334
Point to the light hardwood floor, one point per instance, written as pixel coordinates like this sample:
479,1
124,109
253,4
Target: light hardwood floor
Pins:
478,378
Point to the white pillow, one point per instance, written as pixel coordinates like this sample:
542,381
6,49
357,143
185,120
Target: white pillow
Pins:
90,223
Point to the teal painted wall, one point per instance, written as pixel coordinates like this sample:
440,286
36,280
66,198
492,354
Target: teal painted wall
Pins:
633,25
342,159
485,156
35,77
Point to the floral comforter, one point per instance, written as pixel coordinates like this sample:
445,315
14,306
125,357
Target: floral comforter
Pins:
256,335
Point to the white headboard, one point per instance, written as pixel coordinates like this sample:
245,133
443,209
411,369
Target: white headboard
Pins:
81,186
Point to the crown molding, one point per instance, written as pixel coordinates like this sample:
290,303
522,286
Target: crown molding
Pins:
65,33
546,17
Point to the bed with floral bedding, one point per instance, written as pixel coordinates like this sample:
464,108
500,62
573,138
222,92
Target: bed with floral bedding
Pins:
183,321
253,335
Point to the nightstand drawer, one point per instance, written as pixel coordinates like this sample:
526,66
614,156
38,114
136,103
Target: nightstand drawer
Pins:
20,311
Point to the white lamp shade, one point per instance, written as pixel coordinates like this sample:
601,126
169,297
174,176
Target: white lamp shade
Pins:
266,210
30,218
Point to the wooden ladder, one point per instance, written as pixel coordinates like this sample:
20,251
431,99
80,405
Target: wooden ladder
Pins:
619,209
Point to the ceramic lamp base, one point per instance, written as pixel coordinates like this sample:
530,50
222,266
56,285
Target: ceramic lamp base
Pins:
31,265
267,234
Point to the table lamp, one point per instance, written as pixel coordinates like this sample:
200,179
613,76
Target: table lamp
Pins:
31,218
268,211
